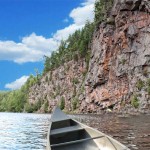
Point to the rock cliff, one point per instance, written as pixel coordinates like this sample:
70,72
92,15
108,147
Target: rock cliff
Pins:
118,75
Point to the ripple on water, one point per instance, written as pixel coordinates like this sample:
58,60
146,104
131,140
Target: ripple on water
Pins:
29,131
133,131
23,131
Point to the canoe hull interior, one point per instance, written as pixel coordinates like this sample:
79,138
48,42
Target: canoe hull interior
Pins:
69,134
88,145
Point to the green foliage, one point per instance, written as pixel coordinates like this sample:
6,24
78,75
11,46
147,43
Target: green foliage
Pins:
46,79
75,47
123,61
16,101
3,98
140,84
84,73
102,8
66,68
75,57
62,103
148,90
135,101
37,105
29,108
82,88
148,82
53,96
33,107
110,21
13,101
123,103
32,80
74,91
87,60
58,89
50,77
148,86
145,72
56,93
56,59
75,81
46,105
75,102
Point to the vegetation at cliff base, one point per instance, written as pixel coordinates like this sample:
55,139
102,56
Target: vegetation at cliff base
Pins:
62,103
140,84
148,86
15,101
135,101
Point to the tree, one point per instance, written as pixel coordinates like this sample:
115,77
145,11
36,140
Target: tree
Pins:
102,8
62,103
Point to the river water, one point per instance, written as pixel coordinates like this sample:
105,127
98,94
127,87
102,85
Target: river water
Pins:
29,131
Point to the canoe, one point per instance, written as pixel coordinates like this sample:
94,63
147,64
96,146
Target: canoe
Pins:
68,134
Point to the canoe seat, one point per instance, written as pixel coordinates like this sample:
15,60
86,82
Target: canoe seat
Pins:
63,124
76,141
66,129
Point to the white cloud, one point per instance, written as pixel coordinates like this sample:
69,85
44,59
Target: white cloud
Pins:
17,83
32,48
64,33
81,14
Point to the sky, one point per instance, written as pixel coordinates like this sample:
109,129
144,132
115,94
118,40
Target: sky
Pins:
31,29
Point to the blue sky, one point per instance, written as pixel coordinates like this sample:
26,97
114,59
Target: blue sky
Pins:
30,29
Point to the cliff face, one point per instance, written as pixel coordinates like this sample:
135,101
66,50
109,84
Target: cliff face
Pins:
118,75
65,83
120,60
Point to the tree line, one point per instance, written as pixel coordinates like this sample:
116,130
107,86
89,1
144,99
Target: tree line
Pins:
15,101
74,48
77,46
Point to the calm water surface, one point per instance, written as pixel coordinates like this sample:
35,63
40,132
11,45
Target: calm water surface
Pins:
29,131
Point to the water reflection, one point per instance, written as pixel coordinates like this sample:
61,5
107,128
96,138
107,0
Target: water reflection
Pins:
23,131
133,131
29,131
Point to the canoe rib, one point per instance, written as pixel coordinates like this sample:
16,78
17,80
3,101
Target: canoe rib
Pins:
76,141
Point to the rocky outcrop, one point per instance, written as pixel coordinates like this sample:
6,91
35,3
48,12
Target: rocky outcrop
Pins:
118,76
64,83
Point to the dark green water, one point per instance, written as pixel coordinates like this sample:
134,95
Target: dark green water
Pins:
29,131
132,131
